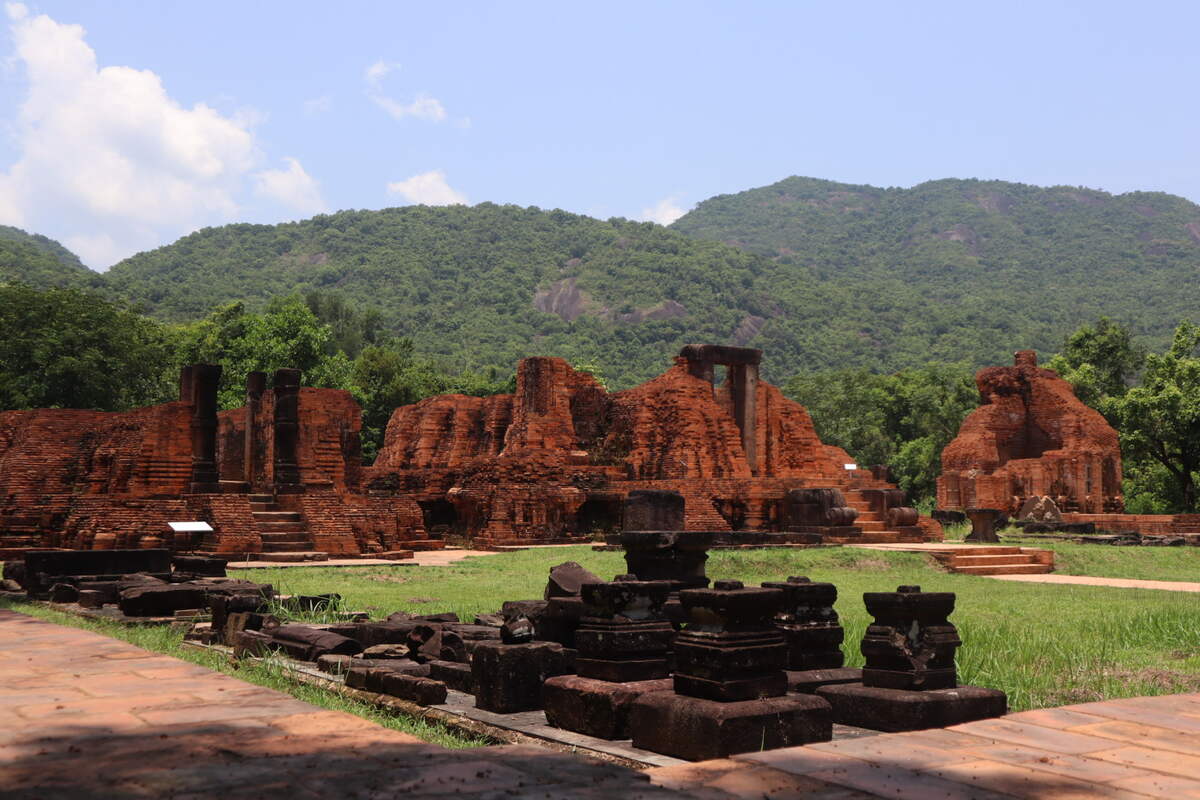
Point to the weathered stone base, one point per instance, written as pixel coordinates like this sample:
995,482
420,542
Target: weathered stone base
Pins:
807,681
895,710
698,729
594,707
508,677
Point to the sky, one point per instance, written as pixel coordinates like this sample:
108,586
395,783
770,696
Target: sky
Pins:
125,125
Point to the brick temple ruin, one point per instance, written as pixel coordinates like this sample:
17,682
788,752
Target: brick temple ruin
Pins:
555,461
552,463
279,475
1032,439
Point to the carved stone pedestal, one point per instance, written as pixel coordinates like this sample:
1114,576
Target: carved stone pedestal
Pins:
729,682
909,681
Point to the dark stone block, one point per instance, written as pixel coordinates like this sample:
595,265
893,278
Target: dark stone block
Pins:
489,620
422,691
696,729
335,665
91,562
509,677
653,510
63,593
455,675
730,690
90,598
200,566
911,643
161,600
677,556
251,643
902,710
647,669
372,633
445,616
308,644
567,579
809,680
597,708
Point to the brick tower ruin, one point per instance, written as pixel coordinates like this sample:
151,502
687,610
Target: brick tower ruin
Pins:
1031,437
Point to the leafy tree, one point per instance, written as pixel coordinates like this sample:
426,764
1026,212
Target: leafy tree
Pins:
1159,420
286,334
67,348
902,420
1099,360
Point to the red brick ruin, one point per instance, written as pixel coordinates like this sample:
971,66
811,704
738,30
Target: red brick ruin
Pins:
1031,438
553,462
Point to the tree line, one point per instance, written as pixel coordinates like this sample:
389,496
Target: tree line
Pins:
72,348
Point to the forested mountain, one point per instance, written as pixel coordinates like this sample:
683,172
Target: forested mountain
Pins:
477,287
821,275
41,262
963,269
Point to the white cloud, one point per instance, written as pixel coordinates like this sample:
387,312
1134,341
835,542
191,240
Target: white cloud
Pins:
292,187
664,212
108,160
423,107
318,105
428,188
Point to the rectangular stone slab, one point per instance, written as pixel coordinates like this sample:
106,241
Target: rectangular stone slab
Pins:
595,707
807,681
894,710
696,729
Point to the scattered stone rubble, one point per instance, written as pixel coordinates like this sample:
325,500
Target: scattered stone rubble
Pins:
656,655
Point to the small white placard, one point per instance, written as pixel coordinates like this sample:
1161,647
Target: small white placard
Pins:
850,466
190,527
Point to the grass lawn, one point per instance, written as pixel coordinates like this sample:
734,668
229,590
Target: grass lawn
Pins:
1045,645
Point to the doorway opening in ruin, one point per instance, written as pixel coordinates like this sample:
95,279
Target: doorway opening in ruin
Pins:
600,515
440,516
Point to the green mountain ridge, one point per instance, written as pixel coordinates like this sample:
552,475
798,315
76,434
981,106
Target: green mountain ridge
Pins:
41,262
817,273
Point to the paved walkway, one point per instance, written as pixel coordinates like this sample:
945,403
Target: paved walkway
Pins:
1088,580
421,558
1141,747
86,717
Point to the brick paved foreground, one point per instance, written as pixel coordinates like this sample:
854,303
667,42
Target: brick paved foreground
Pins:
87,717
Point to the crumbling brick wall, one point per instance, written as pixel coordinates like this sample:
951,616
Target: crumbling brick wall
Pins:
1031,437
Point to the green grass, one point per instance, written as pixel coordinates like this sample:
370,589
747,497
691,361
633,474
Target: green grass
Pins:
265,672
1046,645
1106,561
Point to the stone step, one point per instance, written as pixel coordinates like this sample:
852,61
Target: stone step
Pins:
286,547
871,525
296,555
281,527
961,561
983,551
1009,569
278,516
286,536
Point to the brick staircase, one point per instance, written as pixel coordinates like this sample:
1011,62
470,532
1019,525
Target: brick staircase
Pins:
874,529
282,531
997,560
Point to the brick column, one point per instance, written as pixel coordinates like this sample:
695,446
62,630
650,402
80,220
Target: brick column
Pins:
256,384
743,384
203,380
287,431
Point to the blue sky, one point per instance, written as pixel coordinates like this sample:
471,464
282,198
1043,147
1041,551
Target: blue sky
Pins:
128,124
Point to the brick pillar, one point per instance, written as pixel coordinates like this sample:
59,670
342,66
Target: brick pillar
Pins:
256,384
203,380
185,384
743,385
287,431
